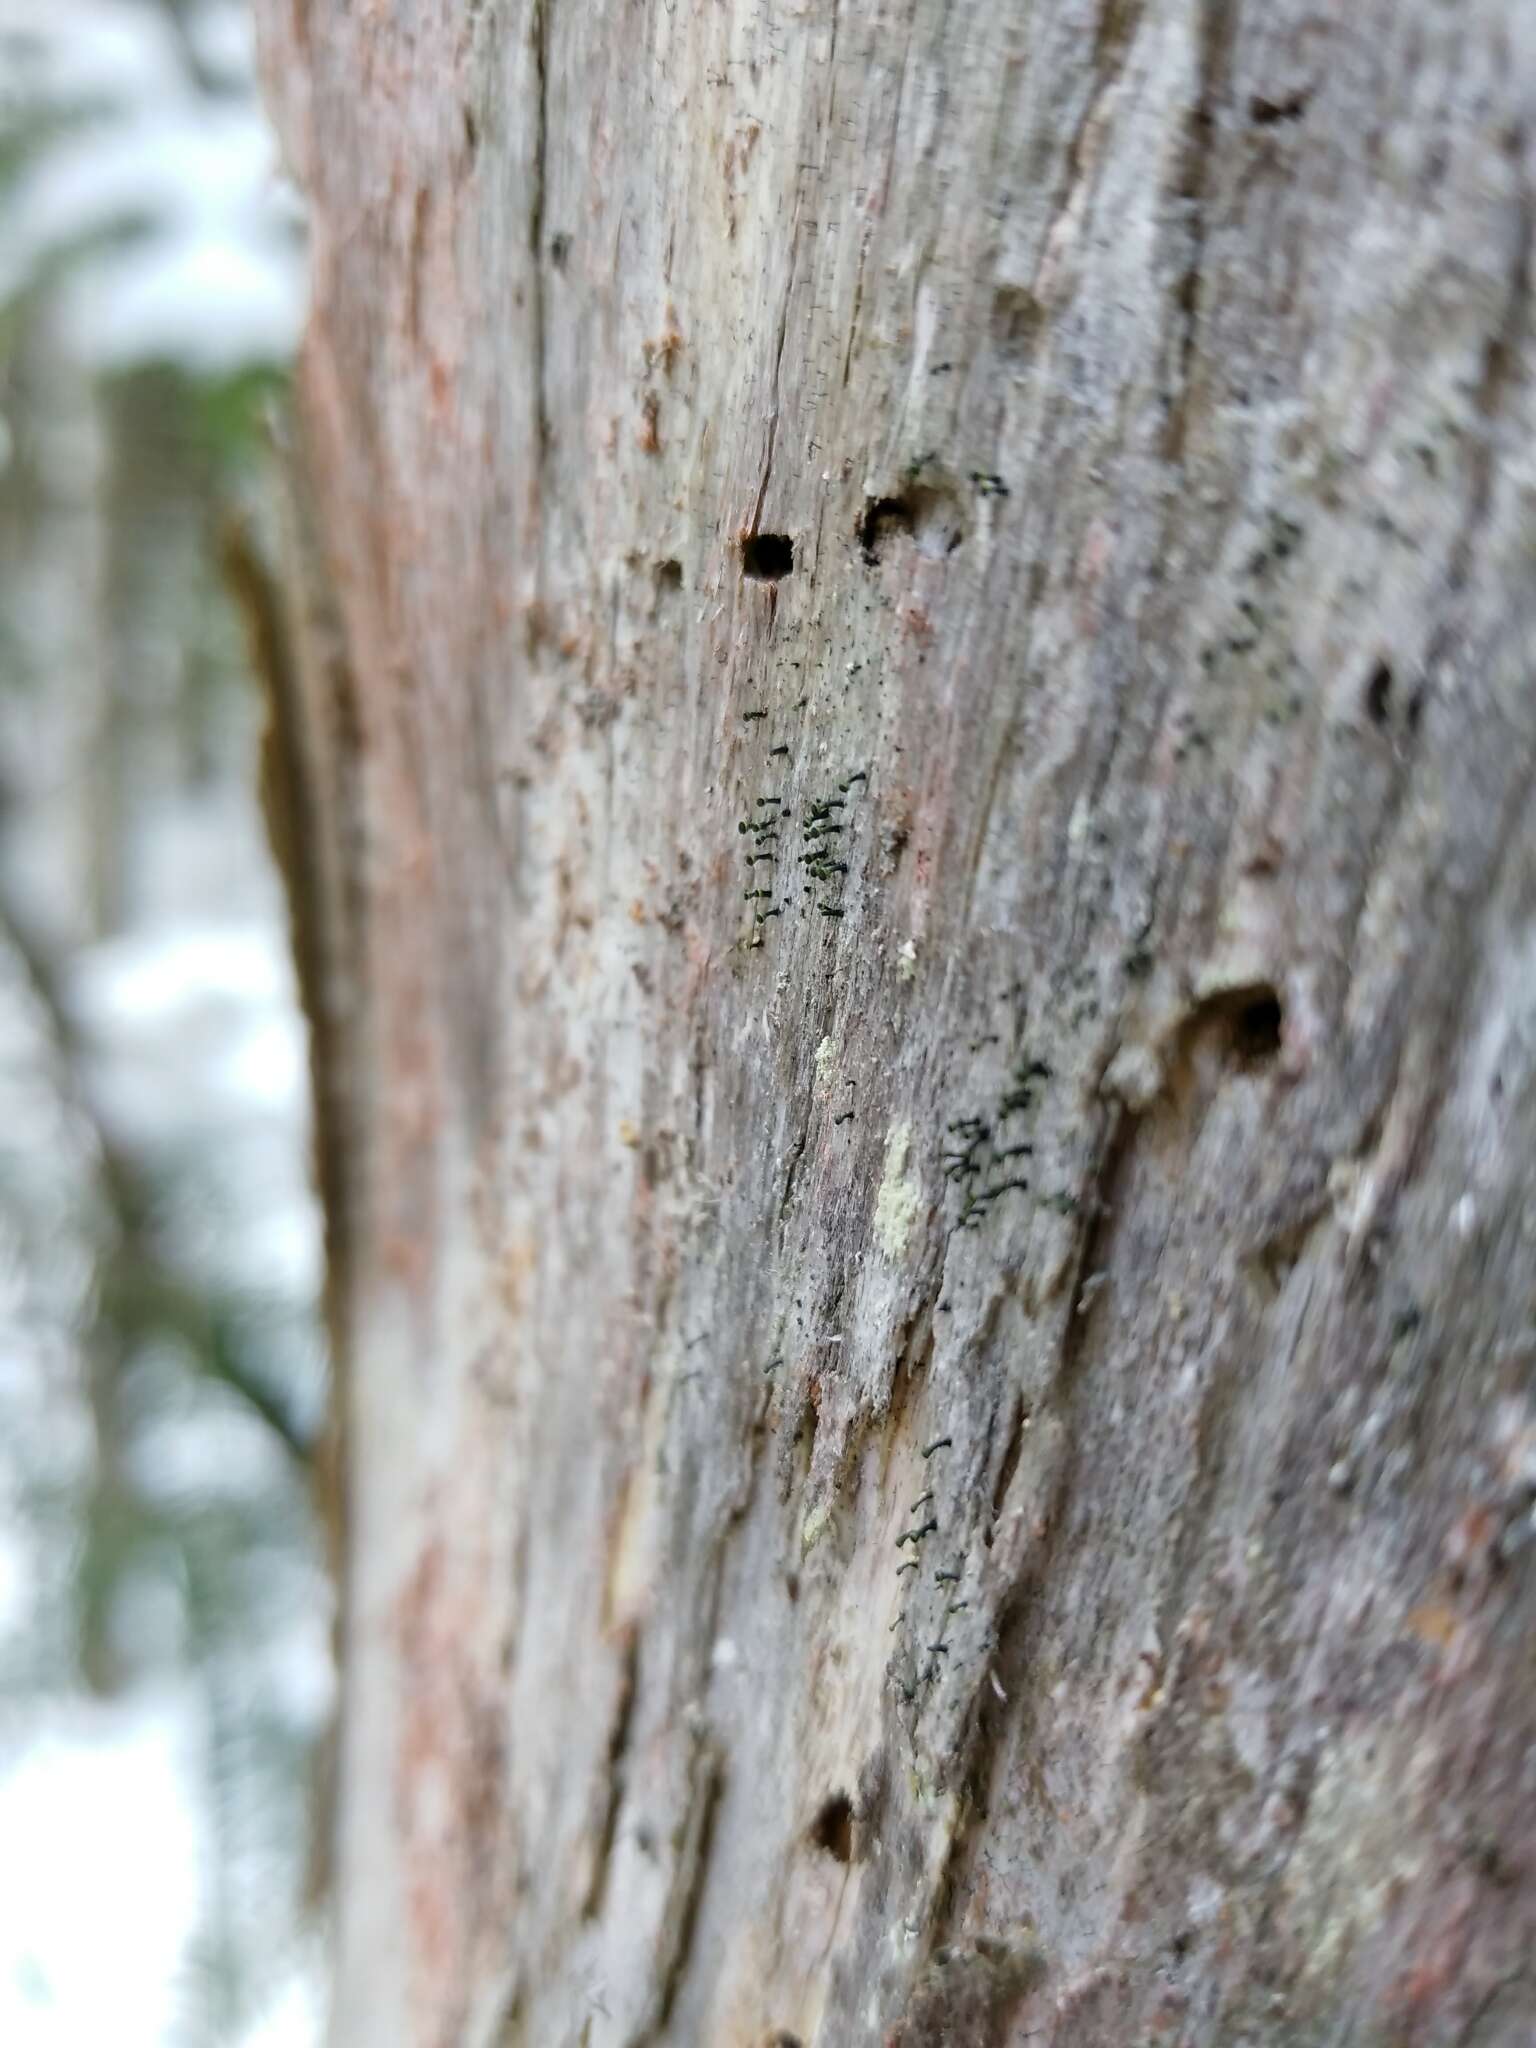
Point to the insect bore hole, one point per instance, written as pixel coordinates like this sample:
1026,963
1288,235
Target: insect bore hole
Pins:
832,1829
1378,693
1265,112
767,557
882,518
1257,1023
930,515
669,576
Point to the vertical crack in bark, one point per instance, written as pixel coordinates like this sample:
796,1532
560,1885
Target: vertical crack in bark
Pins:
1112,39
416,263
773,416
858,307
1099,1203
793,1172
1502,362
1215,32
674,1937
536,209
502,2023
1043,1429
1055,1470
618,1745
832,63
778,362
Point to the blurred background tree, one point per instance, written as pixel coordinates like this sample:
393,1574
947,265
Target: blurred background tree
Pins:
162,1603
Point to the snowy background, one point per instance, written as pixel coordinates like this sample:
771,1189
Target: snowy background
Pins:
164,1617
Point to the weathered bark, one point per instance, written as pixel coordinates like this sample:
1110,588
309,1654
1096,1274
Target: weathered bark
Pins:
944,1455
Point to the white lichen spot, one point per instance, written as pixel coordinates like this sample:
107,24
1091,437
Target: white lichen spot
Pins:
906,962
1355,1192
826,1056
900,1197
901,1936
1205,1901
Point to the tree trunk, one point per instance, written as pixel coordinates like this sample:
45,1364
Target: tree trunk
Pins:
923,906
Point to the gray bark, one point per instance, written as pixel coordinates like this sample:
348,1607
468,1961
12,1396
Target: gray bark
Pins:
943,1455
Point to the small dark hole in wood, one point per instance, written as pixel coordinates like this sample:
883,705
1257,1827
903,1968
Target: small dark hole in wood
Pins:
669,575
1257,1023
929,514
471,131
1243,1026
1416,708
832,1829
1264,112
882,518
1378,693
559,250
782,2040
766,557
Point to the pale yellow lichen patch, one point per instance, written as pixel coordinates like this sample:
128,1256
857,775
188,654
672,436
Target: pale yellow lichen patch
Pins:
1355,1851
817,1523
826,1058
906,962
900,1197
